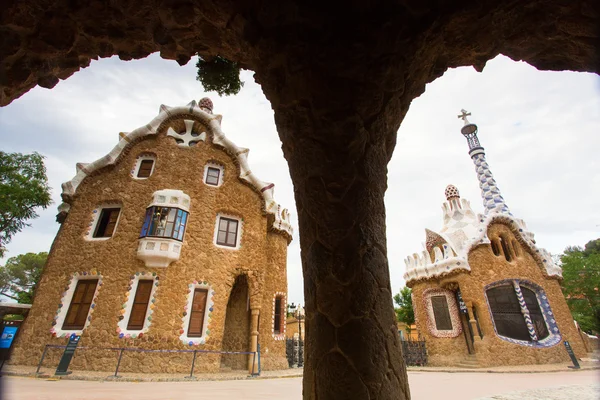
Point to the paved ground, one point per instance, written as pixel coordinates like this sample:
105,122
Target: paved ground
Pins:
580,385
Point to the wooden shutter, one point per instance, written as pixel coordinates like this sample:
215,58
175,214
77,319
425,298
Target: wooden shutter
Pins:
145,168
112,222
80,304
195,328
277,320
232,233
506,248
212,176
227,235
441,313
140,305
107,222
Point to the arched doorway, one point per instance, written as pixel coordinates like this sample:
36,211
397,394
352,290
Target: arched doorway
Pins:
236,334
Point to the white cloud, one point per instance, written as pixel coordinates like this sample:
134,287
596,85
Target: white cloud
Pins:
538,129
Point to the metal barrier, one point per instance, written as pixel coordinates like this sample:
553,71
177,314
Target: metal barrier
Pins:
414,352
294,351
121,350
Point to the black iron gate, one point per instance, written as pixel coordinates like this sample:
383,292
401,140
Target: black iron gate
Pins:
414,352
294,351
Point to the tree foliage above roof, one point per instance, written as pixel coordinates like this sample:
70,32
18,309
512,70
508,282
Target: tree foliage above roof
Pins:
219,75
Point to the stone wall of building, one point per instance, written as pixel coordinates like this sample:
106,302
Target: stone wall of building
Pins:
261,256
487,268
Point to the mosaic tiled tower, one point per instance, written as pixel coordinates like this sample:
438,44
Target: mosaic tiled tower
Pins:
484,293
492,199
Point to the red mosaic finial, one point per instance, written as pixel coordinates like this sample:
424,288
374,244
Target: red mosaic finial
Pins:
432,239
451,192
206,104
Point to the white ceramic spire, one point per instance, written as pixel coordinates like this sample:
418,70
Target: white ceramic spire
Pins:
492,199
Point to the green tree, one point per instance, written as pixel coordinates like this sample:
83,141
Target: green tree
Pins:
23,188
405,312
20,276
581,284
220,75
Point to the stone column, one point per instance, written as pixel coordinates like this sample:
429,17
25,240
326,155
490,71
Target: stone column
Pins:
338,137
252,360
473,323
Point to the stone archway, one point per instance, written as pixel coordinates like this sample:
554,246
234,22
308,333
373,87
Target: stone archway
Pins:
340,83
236,334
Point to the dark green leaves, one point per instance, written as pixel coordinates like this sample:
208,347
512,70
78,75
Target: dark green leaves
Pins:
20,275
23,188
219,75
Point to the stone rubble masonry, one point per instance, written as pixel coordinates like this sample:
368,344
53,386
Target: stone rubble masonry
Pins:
261,256
339,89
486,268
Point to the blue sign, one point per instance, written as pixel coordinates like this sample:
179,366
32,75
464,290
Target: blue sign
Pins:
8,334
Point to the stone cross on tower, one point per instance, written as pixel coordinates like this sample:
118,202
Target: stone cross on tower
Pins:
464,115
492,199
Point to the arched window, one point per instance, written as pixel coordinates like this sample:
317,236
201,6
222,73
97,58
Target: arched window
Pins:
506,248
279,315
521,313
516,248
443,319
495,247
507,313
535,312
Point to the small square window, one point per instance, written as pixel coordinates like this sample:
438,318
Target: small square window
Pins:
145,169
227,232
212,176
144,166
107,222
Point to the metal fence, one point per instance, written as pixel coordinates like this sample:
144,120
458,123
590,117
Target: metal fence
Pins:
294,351
122,350
414,352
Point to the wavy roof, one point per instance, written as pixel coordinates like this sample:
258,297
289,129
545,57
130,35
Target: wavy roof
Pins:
203,112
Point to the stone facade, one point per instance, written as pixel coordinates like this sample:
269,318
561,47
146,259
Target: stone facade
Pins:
467,263
240,281
338,97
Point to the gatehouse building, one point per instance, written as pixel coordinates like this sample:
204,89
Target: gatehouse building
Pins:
484,292
168,242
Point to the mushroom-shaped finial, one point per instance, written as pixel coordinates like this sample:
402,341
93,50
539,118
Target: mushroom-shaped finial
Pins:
206,104
451,192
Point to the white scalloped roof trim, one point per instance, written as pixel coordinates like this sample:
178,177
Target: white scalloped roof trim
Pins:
281,222
420,266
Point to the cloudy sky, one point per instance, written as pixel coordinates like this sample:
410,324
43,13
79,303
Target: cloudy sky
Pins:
539,129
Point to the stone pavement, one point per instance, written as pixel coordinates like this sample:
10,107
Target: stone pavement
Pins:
579,392
23,370
580,385
29,371
585,364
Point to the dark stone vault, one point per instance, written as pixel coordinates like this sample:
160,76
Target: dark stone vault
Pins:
340,77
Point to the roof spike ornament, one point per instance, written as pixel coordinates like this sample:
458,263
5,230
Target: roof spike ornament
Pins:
206,104
492,199
432,239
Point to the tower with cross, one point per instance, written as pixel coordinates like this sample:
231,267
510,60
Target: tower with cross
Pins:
484,293
490,194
